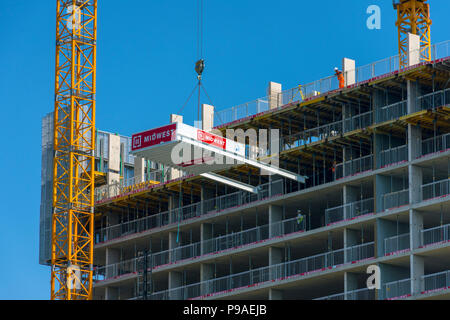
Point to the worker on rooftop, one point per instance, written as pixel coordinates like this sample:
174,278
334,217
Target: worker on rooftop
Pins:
340,76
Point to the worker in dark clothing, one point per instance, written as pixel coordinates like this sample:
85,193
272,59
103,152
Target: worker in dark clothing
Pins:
340,76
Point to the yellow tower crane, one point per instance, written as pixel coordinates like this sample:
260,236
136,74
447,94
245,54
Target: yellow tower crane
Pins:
413,16
74,143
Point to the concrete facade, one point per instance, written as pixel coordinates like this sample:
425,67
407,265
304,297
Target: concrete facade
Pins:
384,203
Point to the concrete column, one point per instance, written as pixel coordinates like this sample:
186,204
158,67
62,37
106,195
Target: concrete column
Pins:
207,117
175,173
206,273
206,233
351,195
274,93
175,281
275,294
415,227
139,170
275,257
112,257
382,186
350,283
350,240
414,142
275,215
415,184
113,160
417,267
413,49
349,70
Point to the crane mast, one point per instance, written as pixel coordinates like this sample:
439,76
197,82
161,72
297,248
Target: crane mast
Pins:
74,145
413,16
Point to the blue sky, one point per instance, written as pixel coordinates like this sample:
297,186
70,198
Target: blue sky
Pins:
146,55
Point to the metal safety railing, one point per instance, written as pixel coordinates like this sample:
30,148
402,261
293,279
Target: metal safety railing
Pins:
126,185
333,297
436,144
187,212
436,281
397,289
396,243
349,211
360,121
311,135
355,166
269,273
244,110
115,270
354,295
433,100
435,235
361,294
377,69
391,112
440,50
395,199
393,156
436,189
322,86
209,246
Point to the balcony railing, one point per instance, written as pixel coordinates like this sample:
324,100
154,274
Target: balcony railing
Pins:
333,297
127,185
436,144
311,135
395,199
319,87
349,211
393,156
287,269
436,281
391,112
198,249
433,100
436,235
360,121
436,189
396,244
397,289
360,294
187,212
353,167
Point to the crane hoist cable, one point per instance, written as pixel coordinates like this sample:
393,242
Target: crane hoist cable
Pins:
200,64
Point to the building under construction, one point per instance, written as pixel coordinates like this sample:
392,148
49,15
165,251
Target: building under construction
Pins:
362,180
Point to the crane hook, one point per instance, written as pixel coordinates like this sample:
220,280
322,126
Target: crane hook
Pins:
199,68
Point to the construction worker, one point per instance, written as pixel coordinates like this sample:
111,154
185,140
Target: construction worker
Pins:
340,76
300,217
